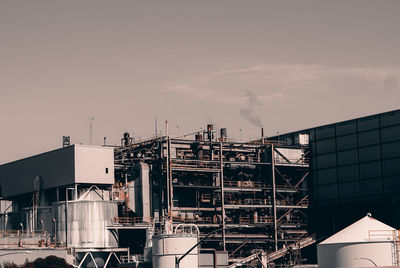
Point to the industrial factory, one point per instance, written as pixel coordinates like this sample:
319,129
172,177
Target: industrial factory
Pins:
206,200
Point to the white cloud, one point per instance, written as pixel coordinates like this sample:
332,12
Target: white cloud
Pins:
270,82
284,90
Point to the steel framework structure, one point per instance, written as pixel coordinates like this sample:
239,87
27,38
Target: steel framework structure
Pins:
215,183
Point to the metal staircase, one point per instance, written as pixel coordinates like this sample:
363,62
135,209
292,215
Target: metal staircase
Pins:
272,256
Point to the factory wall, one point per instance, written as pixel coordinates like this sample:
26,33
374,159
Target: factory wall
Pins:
356,159
355,169
62,167
94,165
55,168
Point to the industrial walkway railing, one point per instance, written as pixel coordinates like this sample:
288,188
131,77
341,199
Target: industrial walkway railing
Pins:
272,256
388,235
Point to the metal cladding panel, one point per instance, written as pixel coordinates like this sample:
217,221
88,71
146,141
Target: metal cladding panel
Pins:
206,260
346,142
391,184
294,155
348,173
390,119
368,138
370,170
368,123
346,128
369,187
55,167
326,160
94,165
327,176
326,146
391,149
391,167
349,189
347,157
390,134
370,153
326,192
325,132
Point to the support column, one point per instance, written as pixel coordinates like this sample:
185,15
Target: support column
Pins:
171,192
221,174
274,196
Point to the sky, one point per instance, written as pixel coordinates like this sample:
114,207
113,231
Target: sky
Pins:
283,65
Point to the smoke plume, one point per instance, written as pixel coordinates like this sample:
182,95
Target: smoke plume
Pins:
249,111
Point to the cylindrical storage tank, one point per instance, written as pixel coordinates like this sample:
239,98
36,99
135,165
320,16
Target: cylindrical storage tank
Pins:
168,247
362,254
86,222
365,243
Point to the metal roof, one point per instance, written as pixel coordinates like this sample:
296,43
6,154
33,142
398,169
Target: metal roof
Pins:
366,229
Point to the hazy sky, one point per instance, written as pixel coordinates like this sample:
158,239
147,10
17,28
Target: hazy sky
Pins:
286,65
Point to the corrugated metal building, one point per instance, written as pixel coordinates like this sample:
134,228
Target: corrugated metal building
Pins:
355,168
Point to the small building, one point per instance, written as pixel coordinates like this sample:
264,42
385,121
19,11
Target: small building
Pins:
366,243
60,199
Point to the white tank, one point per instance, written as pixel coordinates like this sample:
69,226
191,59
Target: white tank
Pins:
168,247
366,243
87,222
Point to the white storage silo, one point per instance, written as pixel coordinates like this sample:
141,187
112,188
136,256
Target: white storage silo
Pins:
168,247
366,243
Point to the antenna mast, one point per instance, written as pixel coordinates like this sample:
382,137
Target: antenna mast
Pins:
91,128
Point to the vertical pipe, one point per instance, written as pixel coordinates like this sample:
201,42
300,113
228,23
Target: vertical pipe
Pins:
5,222
32,221
76,192
214,253
171,191
210,139
274,196
33,214
55,230
262,135
66,217
222,193
167,170
155,125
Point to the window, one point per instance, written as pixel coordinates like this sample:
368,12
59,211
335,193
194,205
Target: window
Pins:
106,170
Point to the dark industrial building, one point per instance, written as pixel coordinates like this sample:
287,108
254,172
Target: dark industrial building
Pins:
355,169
